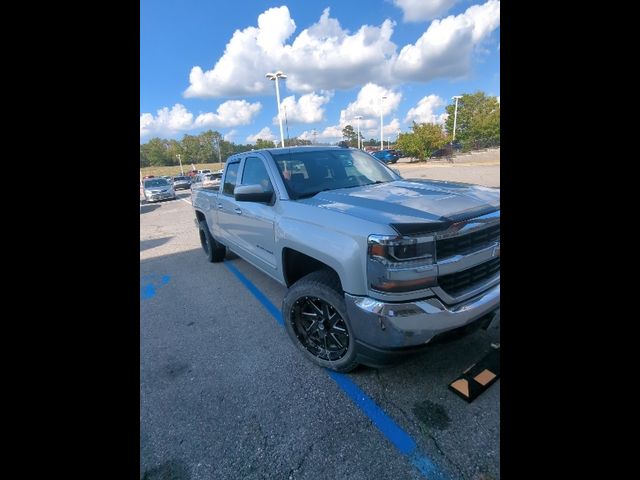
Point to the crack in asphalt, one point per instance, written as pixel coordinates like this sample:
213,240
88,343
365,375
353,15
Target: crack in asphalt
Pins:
301,462
420,427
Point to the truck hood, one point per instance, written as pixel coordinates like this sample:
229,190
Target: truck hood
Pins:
411,206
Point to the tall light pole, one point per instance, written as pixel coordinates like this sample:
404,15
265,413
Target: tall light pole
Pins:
276,76
180,160
358,117
381,134
286,123
217,140
455,116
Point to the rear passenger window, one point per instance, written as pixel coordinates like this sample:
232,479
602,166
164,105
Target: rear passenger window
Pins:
230,178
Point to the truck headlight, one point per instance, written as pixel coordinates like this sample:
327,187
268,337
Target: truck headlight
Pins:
398,264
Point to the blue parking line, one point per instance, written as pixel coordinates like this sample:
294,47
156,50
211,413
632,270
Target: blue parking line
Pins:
396,435
256,293
148,289
383,422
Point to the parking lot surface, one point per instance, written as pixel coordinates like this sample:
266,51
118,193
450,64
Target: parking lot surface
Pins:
225,394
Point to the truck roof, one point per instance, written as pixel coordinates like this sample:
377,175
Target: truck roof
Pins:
296,149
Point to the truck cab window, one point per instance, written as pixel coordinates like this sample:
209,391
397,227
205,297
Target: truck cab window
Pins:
255,173
230,178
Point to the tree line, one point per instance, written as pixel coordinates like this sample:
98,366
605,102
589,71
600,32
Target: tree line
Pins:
207,147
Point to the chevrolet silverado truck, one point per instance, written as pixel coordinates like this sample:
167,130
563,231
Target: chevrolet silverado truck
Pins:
376,266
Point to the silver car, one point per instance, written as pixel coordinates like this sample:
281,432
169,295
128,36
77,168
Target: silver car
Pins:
181,182
156,189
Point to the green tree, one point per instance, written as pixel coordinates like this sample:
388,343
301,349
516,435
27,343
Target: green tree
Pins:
295,141
174,148
350,136
208,152
260,143
155,152
424,139
478,120
144,161
191,147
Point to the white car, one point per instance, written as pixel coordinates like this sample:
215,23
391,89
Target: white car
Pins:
156,189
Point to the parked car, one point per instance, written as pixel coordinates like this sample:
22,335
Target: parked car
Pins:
211,179
444,152
181,183
387,156
206,170
156,189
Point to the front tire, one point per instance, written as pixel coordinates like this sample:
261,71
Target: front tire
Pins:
215,252
315,317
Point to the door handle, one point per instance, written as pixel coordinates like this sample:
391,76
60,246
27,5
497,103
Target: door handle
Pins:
219,205
238,211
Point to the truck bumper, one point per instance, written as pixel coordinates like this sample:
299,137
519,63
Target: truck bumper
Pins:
385,331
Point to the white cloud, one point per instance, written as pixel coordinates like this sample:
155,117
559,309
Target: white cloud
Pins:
419,10
166,121
424,111
308,108
325,56
368,104
389,128
230,135
169,122
230,114
445,49
322,57
264,134
248,56
330,134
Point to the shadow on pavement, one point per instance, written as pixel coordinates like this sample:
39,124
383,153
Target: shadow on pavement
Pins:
152,243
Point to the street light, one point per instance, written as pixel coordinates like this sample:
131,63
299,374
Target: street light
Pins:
381,134
358,117
180,160
276,76
455,117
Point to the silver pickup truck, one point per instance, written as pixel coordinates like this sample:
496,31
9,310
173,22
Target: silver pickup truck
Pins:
376,266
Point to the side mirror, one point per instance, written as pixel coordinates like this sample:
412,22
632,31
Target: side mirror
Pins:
252,193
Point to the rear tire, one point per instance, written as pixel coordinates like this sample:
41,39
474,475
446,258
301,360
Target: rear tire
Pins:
315,317
214,251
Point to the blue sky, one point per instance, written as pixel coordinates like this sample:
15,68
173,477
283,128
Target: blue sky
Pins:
203,64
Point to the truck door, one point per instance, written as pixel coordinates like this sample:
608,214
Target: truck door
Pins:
226,228
257,226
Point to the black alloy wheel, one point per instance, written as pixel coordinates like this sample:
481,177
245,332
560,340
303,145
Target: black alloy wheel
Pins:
320,328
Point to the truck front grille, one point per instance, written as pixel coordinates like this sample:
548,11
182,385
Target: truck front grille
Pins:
457,283
448,247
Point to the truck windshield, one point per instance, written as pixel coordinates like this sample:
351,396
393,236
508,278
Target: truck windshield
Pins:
308,173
